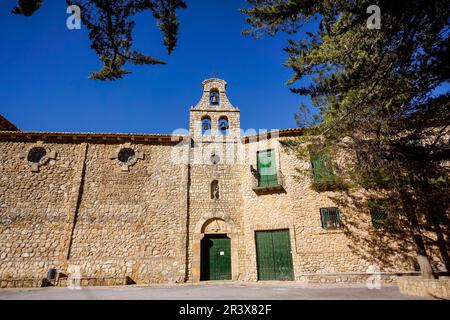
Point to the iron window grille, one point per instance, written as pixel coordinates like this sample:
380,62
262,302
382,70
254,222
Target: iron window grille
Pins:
379,213
330,218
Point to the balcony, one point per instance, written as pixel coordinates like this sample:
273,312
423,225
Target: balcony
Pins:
267,184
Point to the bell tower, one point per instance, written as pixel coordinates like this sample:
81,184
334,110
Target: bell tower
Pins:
215,175
214,116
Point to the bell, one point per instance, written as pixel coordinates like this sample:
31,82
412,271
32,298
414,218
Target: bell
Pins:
223,126
214,99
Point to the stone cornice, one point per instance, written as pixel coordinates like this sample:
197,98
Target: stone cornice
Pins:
88,137
214,109
126,137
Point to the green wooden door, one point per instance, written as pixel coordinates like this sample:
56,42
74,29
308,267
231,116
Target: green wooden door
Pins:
273,254
267,169
265,256
216,258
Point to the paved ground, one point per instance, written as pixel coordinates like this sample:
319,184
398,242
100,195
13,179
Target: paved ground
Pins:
223,291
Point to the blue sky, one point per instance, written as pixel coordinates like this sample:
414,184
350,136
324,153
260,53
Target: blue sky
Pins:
44,83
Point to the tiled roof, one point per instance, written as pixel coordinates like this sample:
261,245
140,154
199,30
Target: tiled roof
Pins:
5,124
289,132
138,137
90,136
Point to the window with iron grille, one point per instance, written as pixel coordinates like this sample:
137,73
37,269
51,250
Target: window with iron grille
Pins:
331,218
378,213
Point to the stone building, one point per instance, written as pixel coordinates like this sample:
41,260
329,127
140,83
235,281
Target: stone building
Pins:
214,203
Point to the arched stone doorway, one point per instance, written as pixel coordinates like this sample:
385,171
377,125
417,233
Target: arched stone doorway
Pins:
215,234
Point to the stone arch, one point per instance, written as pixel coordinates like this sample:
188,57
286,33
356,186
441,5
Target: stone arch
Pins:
215,225
206,125
214,97
228,227
223,125
223,216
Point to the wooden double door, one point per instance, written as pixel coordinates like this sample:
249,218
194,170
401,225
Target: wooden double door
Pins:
273,254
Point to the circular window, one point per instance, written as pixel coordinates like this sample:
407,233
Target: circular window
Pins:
215,158
36,154
126,155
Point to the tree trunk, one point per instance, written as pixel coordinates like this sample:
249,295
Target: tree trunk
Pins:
442,244
421,252
422,257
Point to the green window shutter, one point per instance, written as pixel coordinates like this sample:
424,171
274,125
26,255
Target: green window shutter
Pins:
267,169
330,218
321,168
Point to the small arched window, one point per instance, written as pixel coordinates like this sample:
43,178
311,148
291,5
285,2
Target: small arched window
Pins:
214,97
223,125
206,125
215,189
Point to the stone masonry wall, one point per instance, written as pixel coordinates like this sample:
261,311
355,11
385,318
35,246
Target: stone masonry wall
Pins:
128,223
33,209
417,286
131,223
314,249
200,203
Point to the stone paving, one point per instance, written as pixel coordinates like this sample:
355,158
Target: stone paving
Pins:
208,291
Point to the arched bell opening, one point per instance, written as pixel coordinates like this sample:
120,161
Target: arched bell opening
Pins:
206,125
223,125
214,97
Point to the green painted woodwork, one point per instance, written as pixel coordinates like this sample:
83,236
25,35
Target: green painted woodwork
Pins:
273,254
216,258
267,169
321,169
